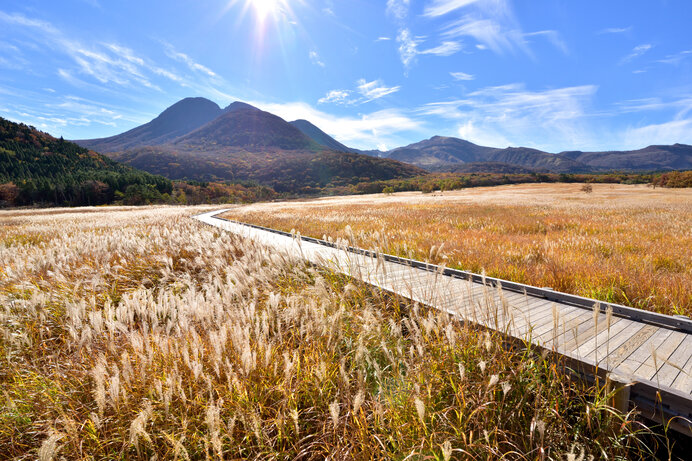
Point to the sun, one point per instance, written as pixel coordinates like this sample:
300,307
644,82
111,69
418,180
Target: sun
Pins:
266,8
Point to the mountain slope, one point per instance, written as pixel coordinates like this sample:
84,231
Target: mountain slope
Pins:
537,160
38,168
247,127
319,136
285,170
439,151
179,119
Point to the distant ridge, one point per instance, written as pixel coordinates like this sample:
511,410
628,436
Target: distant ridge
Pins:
441,153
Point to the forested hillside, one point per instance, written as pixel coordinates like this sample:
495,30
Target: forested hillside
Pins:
36,168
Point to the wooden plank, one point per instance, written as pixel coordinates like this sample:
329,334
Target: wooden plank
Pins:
683,380
603,334
616,356
650,367
568,329
643,353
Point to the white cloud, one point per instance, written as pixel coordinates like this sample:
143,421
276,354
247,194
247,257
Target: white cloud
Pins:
383,39
374,89
364,131
187,60
315,58
408,47
636,52
517,116
445,49
461,76
442,7
398,8
615,30
676,58
336,97
487,32
676,131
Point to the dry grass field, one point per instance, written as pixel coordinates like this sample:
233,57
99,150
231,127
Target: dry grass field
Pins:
142,334
626,244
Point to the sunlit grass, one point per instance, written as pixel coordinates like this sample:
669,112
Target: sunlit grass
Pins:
633,249
141,333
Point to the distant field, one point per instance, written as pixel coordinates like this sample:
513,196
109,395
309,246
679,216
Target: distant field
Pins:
138,333
625,244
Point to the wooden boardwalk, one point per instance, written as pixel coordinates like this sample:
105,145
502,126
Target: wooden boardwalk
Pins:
647,356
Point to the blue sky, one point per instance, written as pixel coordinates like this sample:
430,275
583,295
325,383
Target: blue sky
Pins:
550,74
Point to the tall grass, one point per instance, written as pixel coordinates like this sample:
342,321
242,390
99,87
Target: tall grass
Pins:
624,245
137,334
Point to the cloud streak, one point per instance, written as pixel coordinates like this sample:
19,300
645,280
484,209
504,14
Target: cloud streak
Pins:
368,91
637,51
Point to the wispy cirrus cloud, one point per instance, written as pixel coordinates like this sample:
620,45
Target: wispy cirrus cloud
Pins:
375,89
441,7
364,92
315,58
409,45
194,66
614,30
637,51
461,76
336,97
492,24
676,58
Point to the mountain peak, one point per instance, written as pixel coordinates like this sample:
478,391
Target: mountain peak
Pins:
239,105
245,126
182,117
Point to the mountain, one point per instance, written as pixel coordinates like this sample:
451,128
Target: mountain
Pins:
538,160
247,126
440,151
447,154
242,142
179,119
653,158
38,168
320,136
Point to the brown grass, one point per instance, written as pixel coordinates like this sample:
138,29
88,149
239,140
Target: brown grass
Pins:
625,244
141,334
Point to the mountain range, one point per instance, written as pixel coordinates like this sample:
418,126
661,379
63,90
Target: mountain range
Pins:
197,139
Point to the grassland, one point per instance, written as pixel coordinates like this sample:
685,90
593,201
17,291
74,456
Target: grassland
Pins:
142,334
625,244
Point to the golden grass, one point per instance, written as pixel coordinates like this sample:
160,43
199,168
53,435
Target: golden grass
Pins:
625,244
140,334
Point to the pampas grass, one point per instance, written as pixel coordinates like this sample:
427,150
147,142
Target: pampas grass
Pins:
140,334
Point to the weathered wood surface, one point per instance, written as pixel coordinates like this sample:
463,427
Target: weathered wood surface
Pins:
655,356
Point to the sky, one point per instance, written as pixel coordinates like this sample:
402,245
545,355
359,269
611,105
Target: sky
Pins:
549,74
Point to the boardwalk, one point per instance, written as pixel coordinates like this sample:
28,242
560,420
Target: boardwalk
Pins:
650,353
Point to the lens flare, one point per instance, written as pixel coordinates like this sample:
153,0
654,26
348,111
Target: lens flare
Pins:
266,8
